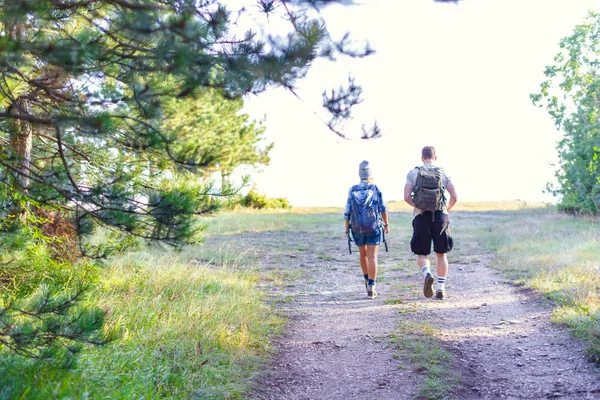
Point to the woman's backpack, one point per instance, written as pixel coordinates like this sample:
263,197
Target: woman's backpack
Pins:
364,217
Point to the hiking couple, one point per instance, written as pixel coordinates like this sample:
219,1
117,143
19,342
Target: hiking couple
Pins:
366,215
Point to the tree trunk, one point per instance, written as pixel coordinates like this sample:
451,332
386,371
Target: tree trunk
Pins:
21,140
21,136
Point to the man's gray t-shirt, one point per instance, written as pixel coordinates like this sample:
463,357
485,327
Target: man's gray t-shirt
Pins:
411,179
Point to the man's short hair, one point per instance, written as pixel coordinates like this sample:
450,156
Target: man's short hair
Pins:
428,152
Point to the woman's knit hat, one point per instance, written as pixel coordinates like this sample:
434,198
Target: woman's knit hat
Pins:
364,170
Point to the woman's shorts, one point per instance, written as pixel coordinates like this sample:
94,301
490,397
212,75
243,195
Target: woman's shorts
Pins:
371,238
427,230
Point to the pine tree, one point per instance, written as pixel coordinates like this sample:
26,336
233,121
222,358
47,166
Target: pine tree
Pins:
211,133
87,133
84,89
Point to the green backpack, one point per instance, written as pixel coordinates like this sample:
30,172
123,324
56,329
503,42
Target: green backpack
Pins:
428,193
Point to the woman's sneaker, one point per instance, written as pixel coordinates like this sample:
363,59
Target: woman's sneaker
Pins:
371,293
440,294
428,286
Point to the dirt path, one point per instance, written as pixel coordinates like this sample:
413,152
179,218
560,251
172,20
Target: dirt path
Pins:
337,345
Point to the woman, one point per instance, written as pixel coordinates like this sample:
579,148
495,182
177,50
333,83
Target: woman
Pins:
365,209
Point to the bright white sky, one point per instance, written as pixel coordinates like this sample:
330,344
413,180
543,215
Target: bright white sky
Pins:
457,77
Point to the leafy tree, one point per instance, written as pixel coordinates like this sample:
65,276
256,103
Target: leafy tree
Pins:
85,94
571,94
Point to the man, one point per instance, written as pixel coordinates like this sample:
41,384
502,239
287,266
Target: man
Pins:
361,198
432,225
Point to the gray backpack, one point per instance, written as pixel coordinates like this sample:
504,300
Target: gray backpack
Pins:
428,193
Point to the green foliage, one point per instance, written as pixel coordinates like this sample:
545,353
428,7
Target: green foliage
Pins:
102,102
570,94
31,256
254,199
48,324
278,202
41,292
184,331
209,133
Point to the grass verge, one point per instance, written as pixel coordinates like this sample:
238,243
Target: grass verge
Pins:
558,256
184,331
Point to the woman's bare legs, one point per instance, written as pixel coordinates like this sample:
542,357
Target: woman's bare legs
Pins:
368,264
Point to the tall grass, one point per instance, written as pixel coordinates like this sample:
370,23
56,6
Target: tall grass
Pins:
184,331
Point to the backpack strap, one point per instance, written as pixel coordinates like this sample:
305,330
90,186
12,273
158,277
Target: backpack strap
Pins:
418,168
435,167
371,186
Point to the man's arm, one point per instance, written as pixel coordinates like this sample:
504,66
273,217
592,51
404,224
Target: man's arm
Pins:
408,194
453,197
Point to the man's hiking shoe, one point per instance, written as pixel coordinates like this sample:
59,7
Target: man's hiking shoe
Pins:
440,294
371,293
428,286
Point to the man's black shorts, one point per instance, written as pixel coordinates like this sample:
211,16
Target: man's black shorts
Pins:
427,230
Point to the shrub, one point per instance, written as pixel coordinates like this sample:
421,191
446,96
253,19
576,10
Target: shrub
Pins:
254,199
278,202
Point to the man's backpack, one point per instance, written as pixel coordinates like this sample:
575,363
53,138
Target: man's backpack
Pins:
364,217
428,193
